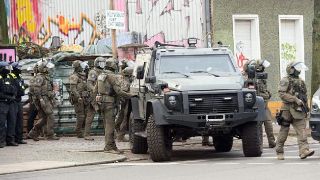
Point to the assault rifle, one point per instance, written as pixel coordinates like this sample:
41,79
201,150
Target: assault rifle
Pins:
304,99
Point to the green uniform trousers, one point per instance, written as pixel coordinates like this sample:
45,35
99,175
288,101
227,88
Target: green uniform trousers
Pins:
122,121
269,127
107,109
299,126
45,113
85,115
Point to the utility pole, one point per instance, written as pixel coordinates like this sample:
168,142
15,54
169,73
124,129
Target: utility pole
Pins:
113,34
315,79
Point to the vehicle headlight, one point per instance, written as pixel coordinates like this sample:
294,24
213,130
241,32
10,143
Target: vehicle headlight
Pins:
316,104
173,100
249,99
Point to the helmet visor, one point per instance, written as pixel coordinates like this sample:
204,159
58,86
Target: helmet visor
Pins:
84,65
50,65
102,64
265,63
301,67
9,67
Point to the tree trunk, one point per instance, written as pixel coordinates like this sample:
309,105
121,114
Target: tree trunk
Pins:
316,48
3,24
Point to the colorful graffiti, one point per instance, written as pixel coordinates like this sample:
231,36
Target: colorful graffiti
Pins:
65,26
84,23
40,21
25,18
241,58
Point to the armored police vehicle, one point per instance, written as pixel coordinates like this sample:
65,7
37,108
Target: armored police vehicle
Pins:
315,116
189,91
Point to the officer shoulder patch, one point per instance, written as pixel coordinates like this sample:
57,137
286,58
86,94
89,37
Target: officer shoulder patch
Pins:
102,77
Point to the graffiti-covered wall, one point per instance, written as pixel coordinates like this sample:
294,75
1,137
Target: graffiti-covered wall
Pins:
83,21
74,21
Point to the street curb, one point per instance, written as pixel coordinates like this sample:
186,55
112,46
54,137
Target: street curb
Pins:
76,164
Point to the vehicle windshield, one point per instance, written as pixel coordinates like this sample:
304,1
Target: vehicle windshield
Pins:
182,65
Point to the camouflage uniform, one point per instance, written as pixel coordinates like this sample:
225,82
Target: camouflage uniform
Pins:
266,95
292,114
80,98
92,81
108,88
43,98
122,120
262,90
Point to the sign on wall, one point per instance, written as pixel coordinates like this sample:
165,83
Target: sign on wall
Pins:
115,19
8,54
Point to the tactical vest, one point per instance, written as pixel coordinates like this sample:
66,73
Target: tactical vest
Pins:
40,85
104,87
20,85
296,86
80,81
7,88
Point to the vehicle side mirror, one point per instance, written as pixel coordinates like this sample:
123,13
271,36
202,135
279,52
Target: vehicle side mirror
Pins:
140,72
150,79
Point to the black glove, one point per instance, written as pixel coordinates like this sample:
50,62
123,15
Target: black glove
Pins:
134,96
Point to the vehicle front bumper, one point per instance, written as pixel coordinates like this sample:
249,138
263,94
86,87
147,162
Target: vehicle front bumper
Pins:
315,126
208,120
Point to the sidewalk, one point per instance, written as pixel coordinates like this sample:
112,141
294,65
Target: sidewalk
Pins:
67,152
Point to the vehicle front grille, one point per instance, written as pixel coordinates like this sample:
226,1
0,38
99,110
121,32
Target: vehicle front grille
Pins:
213,103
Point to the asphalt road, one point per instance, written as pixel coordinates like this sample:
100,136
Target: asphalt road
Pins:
198,163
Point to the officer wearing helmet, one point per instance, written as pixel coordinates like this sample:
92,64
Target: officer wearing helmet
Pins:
122,118
109,88
260,84
21,87
99,64
80,97
293,93
43,98
7,96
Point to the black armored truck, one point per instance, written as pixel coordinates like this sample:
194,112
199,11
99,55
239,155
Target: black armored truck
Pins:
189,91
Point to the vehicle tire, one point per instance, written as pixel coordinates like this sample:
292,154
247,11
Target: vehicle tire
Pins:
159,141
222,143
138,144
252,140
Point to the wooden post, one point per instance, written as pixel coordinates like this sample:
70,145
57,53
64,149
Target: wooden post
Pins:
113,35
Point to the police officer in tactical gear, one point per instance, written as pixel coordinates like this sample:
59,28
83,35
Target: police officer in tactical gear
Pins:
43,98
293,93
80,98
7,106
99,65
109,88
122,120
20,86
260,85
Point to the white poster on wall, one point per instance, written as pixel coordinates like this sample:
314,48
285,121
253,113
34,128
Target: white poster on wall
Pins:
115,19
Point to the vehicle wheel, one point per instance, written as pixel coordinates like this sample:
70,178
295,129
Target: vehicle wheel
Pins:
223,143
252,140
138,144
159,141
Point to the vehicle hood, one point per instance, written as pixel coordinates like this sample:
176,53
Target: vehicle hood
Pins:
203,83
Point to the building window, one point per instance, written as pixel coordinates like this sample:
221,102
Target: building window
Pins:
246,38
291,41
